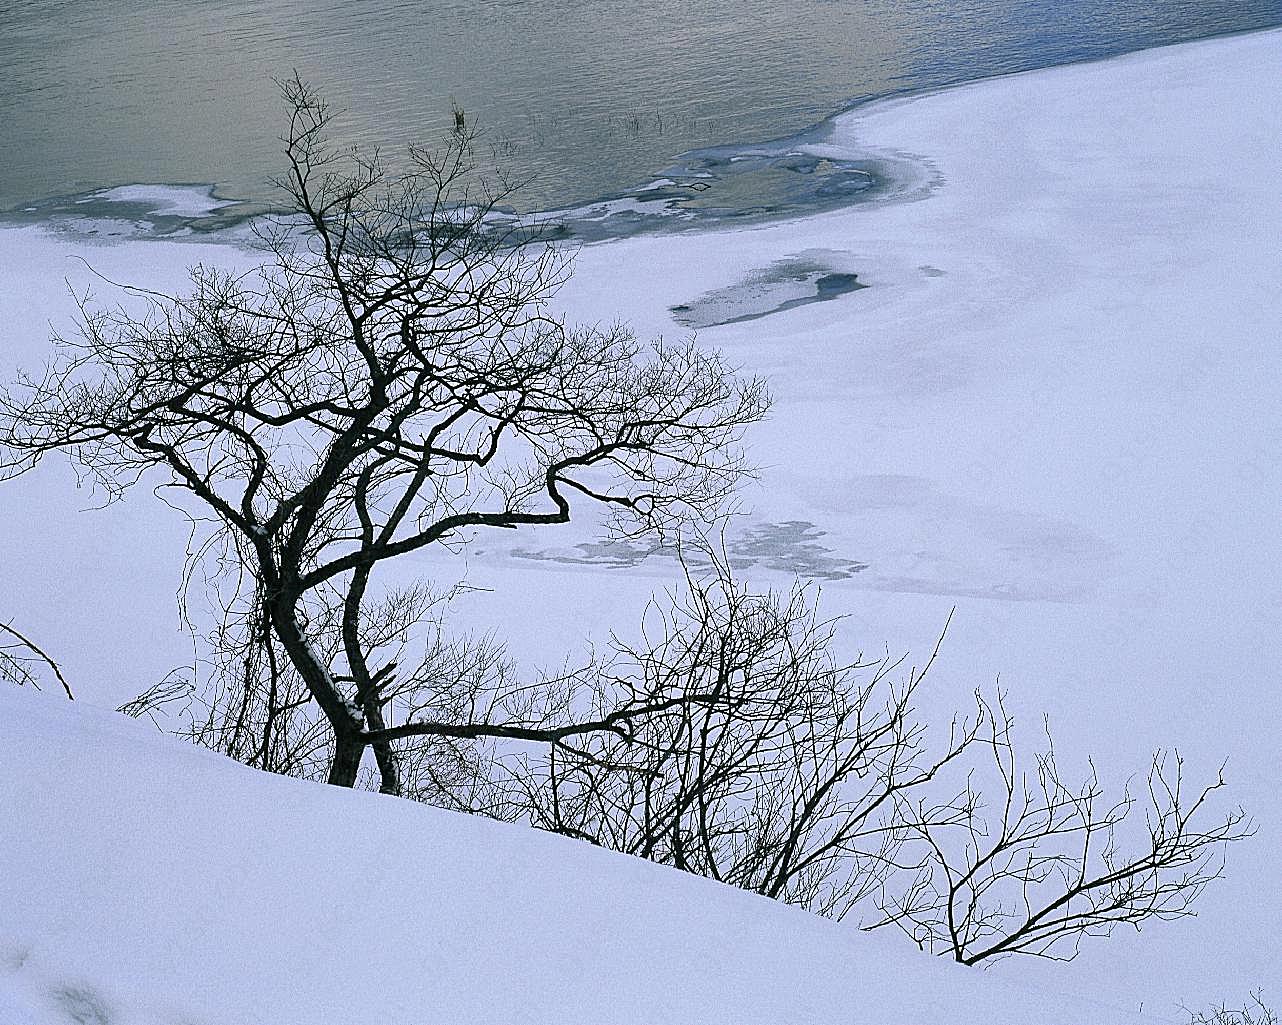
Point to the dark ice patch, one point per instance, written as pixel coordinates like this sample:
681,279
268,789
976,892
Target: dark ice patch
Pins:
81,1005
743,185
784,285
793,546
99,217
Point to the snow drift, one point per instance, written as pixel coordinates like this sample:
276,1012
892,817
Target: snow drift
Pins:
149,883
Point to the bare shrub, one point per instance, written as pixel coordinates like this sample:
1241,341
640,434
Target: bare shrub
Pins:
1025,861
783,782
815,781
1256,1012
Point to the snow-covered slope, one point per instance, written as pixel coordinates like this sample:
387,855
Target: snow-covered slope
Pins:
149,883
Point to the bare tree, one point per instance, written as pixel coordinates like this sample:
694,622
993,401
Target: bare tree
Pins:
391,379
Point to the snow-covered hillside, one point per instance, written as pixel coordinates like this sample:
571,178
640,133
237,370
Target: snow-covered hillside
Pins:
148,883
1054,406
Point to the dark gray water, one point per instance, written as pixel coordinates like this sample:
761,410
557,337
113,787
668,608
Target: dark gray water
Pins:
588,98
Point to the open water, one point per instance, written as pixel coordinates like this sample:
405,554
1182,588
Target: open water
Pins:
587,98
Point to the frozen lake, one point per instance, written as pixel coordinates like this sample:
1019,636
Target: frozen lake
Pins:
1039,404
590,99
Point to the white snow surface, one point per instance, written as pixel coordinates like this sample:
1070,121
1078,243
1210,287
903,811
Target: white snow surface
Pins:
148,883
173,200
1054,408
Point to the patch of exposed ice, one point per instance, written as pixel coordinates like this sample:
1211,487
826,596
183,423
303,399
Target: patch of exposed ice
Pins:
170,200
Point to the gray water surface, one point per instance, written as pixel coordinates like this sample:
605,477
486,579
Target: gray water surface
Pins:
588,99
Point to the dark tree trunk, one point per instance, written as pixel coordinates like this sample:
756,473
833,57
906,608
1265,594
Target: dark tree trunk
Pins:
348,749
389,766
347,726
